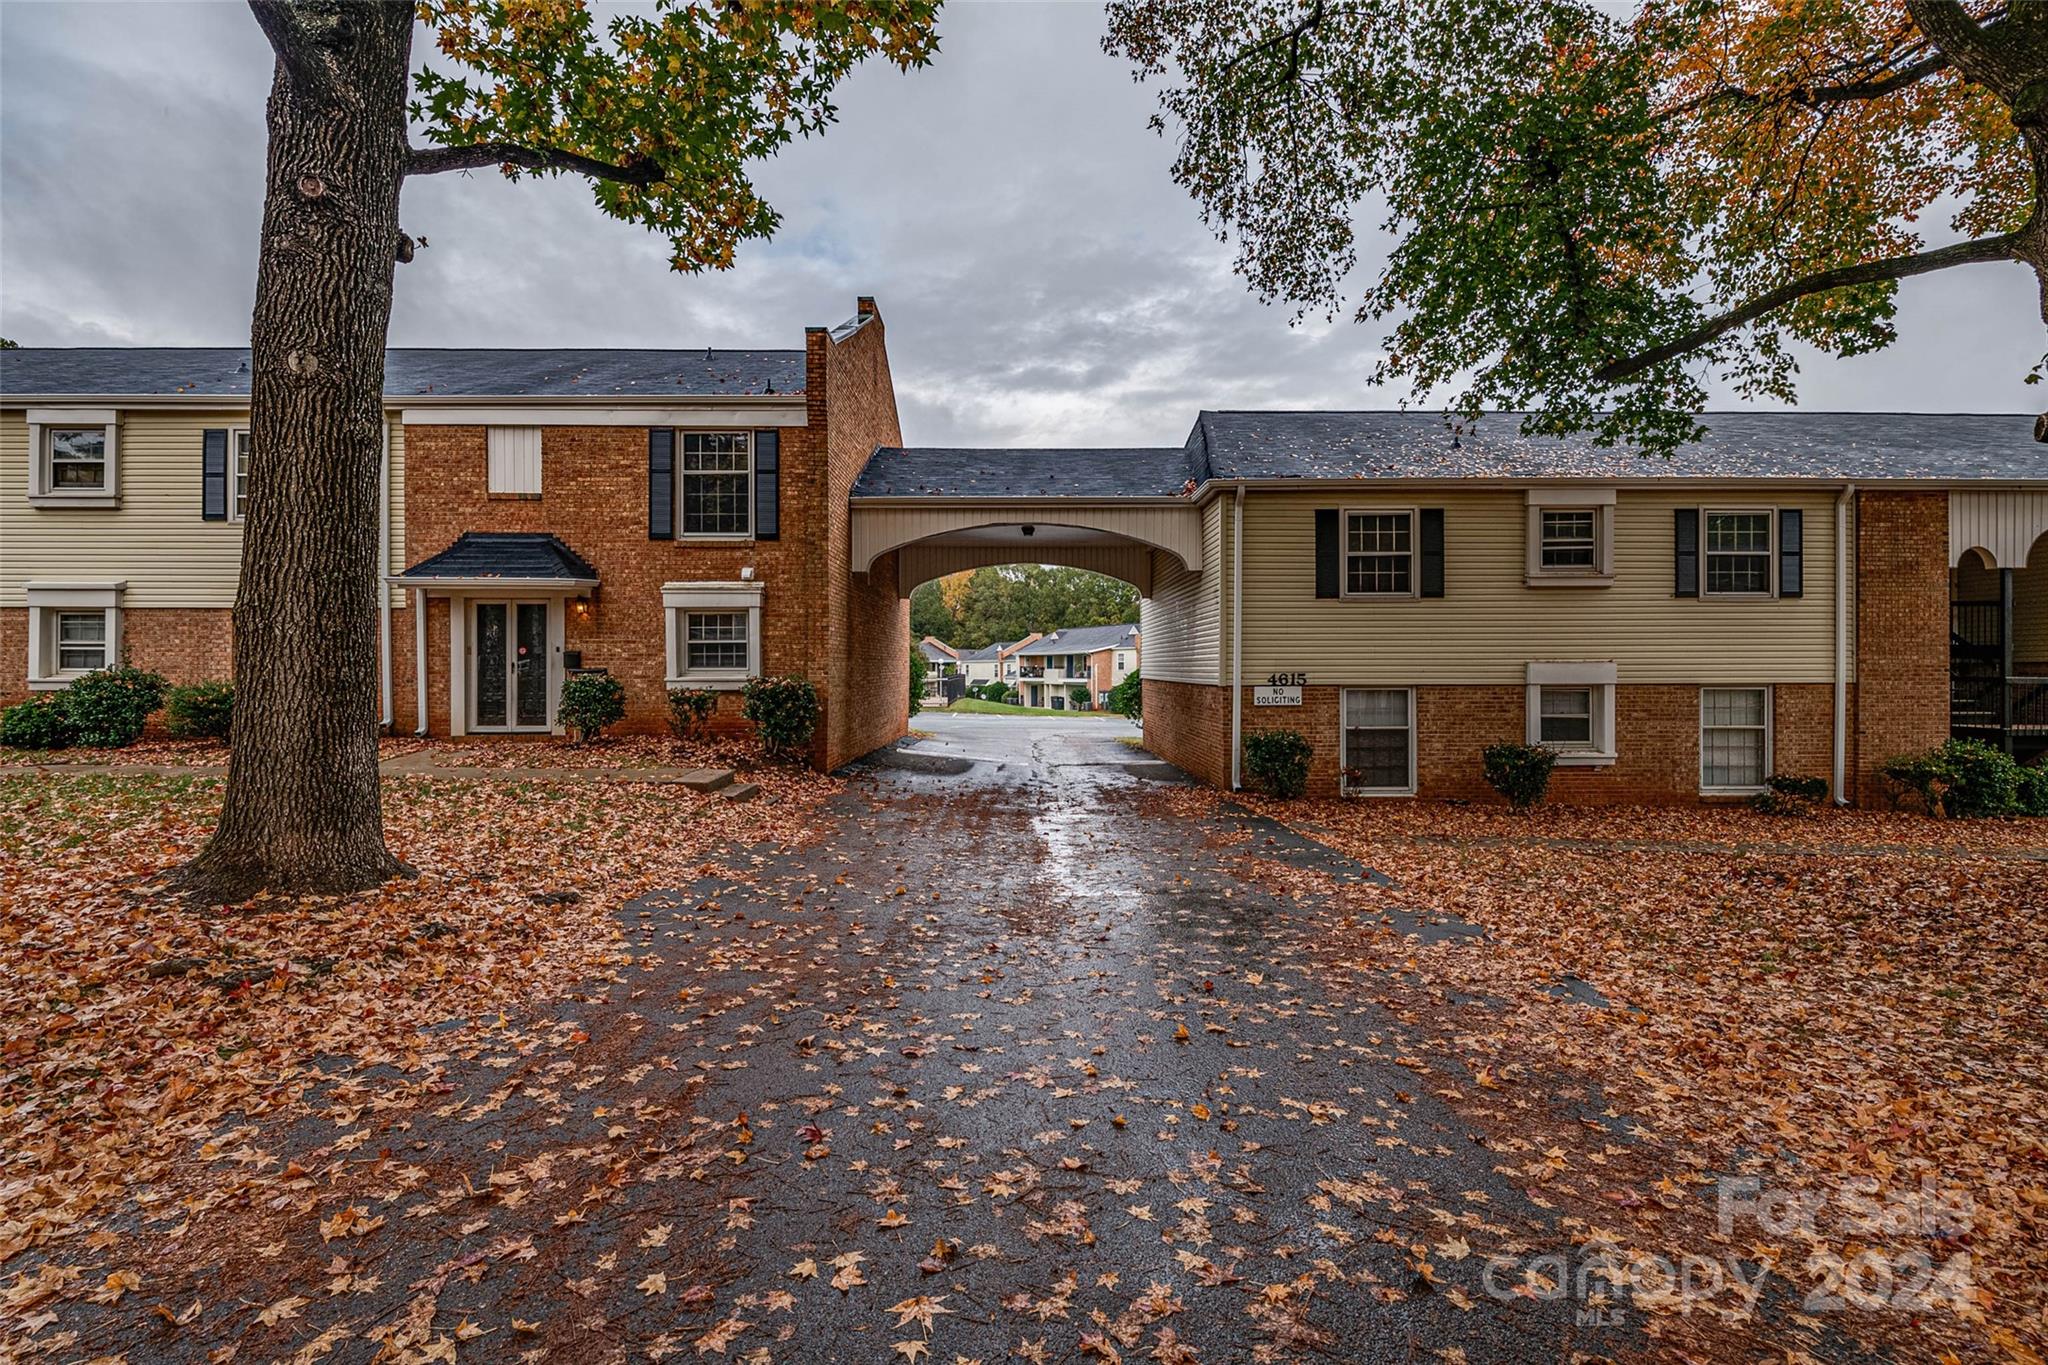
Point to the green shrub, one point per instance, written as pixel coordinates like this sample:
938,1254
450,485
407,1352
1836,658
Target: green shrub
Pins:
1077,697
107,709
1127,698
784,712
690,710
1785,794
201,711
1962,779
1520,772
38,723
1277,760
919,666
2034,789
591,701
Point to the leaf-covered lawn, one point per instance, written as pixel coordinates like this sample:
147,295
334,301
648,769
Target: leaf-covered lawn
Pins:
131,1019
1854,1002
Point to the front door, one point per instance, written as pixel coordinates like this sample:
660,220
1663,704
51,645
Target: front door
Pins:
510,680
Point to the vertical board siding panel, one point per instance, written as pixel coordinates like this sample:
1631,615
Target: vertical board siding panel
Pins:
514,460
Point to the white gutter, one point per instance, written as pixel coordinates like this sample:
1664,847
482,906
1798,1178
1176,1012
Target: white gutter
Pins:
1844,592
384,565
1236,636
419,657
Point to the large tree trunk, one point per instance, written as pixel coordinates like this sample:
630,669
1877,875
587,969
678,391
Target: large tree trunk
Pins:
302,810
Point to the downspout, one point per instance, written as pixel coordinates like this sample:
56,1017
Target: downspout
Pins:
419,657
1844,593
384,566
1236,635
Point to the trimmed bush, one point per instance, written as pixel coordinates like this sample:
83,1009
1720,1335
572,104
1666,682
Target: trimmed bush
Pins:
2034,789
38,723
784,712
1963,779
690,709
591,701
201,711
1788,795
107,709
1078,698
1127,698
919,666
1520,772
1277,760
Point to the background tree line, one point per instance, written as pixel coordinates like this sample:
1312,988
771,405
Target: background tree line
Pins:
981,606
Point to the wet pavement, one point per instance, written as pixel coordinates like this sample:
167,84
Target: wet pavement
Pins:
1018,1062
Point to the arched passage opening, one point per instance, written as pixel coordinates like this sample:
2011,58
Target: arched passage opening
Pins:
1998,635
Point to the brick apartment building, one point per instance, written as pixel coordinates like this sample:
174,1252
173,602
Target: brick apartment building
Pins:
1798,592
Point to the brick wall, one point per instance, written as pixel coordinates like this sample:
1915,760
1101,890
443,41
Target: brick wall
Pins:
865,632
1657,753
1188,725
185,644
1902,630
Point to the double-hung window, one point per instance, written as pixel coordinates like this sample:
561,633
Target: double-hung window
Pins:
1379,554
1735,739
238,474
81,640
714,633
715,640
1571,537
716,475
73,457
1379,741
73,629
1737,551
1571,710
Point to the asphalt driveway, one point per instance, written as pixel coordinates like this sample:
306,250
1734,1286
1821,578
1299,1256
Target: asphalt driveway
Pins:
1027,1059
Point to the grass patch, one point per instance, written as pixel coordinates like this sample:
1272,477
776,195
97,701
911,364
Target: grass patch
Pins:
977,707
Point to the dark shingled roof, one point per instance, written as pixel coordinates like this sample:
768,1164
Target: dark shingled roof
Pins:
1082,472
1414,445
1081,640
1417,445
411,372
503,554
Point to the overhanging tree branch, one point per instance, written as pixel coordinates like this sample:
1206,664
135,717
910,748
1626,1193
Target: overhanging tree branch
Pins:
435,160
1983,249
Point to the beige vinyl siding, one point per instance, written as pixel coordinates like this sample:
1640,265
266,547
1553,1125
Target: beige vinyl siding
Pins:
1489,624
156,540
396,426
1180,624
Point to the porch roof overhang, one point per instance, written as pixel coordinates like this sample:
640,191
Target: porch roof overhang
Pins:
501,561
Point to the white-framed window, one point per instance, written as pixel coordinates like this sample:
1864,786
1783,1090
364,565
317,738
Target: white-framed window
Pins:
1379,741
512,461
76,457
238,473
1571,537
73,629
715,482
1571,710
1379,552
714,633
1735,739
1736,546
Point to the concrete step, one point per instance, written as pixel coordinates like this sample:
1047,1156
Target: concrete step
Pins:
707,779
741,791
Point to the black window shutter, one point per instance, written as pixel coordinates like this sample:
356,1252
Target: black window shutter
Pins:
1329,563
1791,552
213,474
661,484
767,485
1685,552
1431,540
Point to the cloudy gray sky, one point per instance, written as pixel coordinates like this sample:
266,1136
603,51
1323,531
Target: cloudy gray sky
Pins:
1043,280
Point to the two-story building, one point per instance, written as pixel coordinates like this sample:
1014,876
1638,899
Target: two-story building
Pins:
1074,669
675,517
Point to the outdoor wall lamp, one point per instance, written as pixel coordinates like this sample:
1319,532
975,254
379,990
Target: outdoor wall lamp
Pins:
1030,530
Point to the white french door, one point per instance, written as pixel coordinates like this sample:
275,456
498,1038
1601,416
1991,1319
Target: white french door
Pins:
509,666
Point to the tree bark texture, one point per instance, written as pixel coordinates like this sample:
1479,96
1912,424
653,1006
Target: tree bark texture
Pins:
302,809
